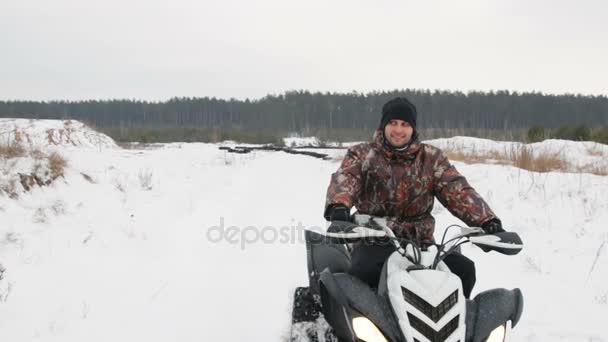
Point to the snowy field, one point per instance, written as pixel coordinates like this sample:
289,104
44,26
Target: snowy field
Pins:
186,242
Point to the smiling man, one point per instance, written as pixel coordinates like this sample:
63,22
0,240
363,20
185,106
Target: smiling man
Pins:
398,177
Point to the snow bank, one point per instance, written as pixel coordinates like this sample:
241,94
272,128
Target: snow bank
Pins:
314,141
40,141
301,141
45,134
580,155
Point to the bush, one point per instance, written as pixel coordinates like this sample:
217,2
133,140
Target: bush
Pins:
536,134
582,133
575,133
57,164
600,135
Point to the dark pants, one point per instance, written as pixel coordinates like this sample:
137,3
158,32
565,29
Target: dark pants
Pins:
367,261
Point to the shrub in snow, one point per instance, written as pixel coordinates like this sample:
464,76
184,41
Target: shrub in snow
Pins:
536,134
40,216
5,286
145,179
56,164
11,151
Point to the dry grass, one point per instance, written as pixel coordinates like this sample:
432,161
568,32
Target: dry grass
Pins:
598,170
12,151
50,136
520,156
477,157
57,164
18,136
523,158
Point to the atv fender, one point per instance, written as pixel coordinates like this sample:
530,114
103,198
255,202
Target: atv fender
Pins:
322,253
490,309
345,297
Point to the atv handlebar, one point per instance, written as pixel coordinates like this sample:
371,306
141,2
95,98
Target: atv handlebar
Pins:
366,226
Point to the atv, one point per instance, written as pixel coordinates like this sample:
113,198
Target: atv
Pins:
417,299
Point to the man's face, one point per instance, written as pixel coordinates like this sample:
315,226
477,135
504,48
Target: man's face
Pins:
398,132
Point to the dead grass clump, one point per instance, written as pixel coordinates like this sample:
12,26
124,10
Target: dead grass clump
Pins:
520,156
57,164
11,151
523,158
18,136
469,158
598,170
145,179
10,188
40,216
477,157
58,207
50,136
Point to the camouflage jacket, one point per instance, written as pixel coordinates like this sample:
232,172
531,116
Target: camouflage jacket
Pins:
402,185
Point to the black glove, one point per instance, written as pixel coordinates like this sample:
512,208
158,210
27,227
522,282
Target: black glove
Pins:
338,213
492,226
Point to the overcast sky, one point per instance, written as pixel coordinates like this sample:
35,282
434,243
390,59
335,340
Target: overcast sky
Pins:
153,49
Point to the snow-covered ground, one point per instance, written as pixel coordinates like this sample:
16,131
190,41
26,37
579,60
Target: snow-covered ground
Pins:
186,242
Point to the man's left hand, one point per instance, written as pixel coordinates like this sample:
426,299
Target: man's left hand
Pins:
492,226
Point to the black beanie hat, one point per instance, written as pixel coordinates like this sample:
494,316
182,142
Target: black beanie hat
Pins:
398,108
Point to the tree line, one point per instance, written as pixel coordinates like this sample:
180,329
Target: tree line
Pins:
307,112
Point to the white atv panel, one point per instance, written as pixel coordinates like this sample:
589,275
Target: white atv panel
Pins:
426,302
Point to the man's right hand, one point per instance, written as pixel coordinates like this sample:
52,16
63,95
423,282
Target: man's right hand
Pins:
339,213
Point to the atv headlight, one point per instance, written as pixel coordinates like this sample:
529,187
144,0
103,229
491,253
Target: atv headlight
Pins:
367,331
497,335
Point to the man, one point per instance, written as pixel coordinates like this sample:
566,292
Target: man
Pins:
397,177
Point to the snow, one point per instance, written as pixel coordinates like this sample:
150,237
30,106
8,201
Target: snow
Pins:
45,134
301,141
134,254
302,330
296,141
